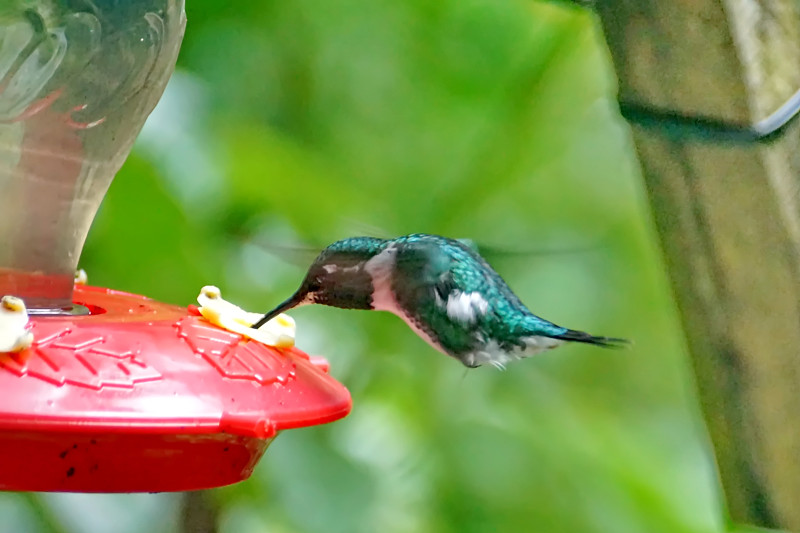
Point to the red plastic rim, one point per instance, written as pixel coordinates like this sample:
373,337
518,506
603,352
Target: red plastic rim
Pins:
147,396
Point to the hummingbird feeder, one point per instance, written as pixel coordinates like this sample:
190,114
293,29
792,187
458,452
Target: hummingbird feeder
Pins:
105,391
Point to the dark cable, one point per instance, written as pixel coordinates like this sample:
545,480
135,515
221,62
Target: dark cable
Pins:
678,126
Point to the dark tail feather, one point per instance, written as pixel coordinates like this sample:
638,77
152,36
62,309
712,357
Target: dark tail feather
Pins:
581,336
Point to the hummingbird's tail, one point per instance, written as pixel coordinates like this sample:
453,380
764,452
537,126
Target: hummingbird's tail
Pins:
581,336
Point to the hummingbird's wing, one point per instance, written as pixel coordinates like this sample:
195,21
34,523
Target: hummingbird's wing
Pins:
453,298
493,252
297,255
435,300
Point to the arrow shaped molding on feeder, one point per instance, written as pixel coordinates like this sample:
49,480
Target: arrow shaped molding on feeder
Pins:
14,333
278,332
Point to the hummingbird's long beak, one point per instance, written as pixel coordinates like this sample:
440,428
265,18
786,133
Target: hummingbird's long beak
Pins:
293,301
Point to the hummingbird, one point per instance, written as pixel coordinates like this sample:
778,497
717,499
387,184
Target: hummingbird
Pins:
442,288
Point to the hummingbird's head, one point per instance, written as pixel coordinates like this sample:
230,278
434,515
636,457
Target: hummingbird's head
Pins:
337,277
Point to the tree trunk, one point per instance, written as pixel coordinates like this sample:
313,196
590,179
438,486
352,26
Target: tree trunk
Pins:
728,215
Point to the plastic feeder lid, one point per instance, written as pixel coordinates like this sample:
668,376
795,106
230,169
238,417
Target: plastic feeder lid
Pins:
142,396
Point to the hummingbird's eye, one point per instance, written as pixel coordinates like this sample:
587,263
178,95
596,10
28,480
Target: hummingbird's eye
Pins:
314,285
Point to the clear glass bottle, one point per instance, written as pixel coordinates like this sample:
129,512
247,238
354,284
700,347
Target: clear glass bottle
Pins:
78,78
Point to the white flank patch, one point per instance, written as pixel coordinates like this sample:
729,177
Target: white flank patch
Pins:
465,307
380,268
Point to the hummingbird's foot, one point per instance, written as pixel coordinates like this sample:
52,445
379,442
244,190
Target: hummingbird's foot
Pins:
498,365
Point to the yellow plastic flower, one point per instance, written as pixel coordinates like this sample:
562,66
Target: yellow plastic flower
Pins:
278,332
14,333
80,277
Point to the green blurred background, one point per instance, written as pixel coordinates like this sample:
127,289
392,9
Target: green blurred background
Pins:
300,122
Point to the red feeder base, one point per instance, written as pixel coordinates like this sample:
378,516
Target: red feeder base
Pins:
142,396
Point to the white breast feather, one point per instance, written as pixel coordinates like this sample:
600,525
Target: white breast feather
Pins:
380,269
